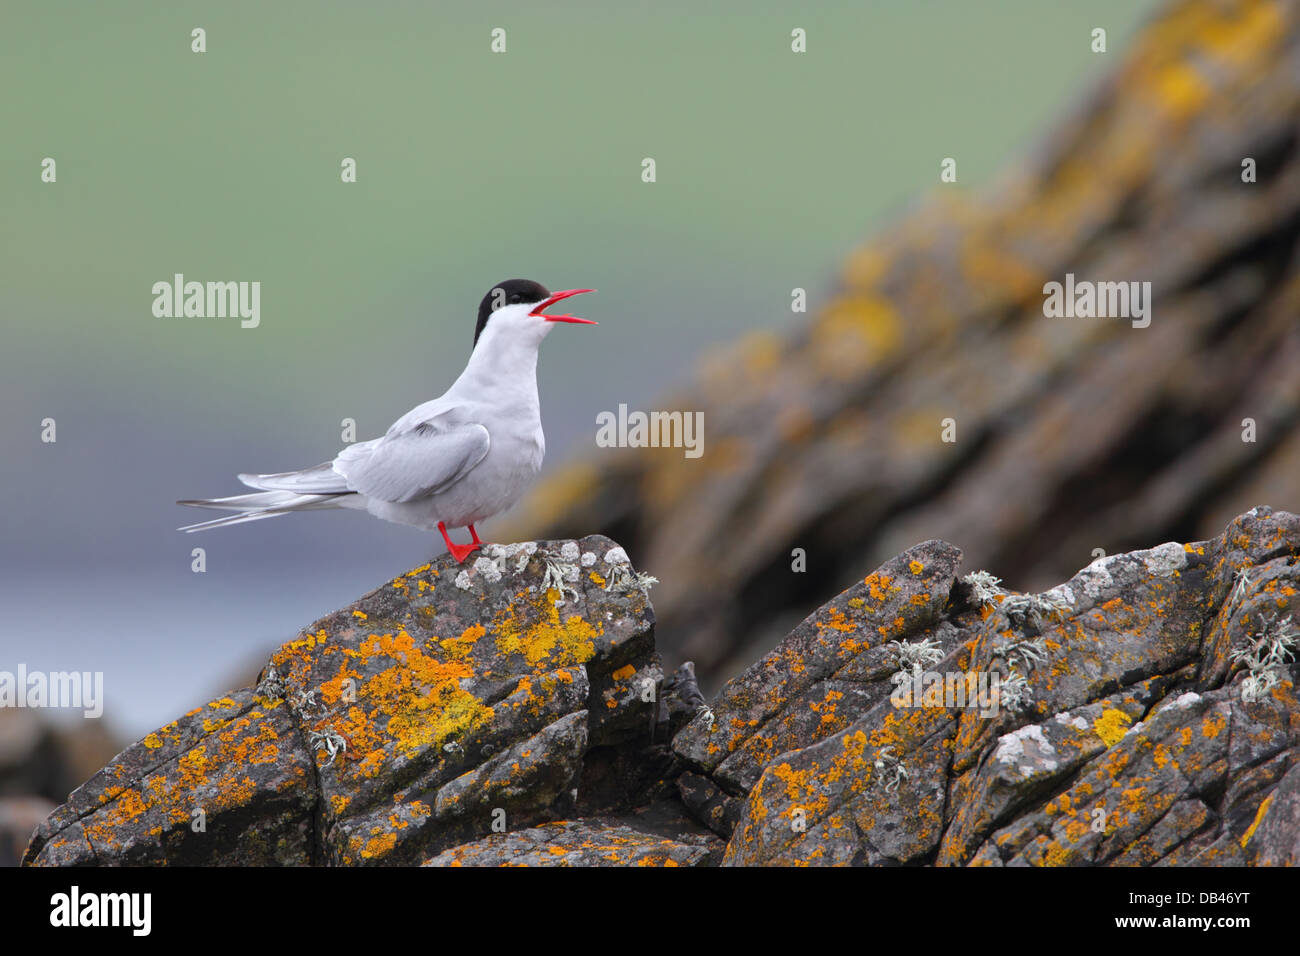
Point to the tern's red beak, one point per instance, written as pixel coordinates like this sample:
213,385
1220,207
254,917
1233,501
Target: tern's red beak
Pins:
540,309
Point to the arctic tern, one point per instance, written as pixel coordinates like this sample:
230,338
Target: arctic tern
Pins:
451,462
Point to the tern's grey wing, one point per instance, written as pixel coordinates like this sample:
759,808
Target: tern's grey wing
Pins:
412,464
321,480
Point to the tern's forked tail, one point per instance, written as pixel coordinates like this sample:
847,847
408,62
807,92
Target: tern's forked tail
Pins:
254,507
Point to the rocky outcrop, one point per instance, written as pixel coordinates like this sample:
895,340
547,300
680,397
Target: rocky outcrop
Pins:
1067,434
452,703
1145,714
1142,713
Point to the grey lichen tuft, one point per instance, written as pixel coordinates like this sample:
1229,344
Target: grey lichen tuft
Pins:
889,769
331,740
913,658
1017,661
1033,610
1265,657
271,686
1242,579
620,575
1030,654
1013,692
561,574
984,588
304,702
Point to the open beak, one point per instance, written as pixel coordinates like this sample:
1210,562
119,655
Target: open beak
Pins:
555,297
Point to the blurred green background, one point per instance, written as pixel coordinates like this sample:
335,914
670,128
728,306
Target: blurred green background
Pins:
473,167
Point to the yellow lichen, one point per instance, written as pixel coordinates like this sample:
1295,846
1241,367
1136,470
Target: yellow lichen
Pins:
549,640
1111,726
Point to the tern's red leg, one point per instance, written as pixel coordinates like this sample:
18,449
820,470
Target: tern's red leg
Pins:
475,534
458,551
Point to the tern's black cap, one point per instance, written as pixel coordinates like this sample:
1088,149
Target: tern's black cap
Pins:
510,292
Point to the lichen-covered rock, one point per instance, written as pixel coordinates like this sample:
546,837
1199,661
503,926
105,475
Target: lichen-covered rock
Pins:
1275,830
515,712
587,842
404,724
1133,717
818,680
231,782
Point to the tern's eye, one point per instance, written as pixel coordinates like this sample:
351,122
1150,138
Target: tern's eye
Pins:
514,298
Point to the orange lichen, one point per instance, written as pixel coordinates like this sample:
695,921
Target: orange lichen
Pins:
379,845
878,585
1259,817
1076,830
460,647
837,622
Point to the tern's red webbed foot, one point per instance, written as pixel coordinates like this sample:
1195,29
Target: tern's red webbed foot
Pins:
459,551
